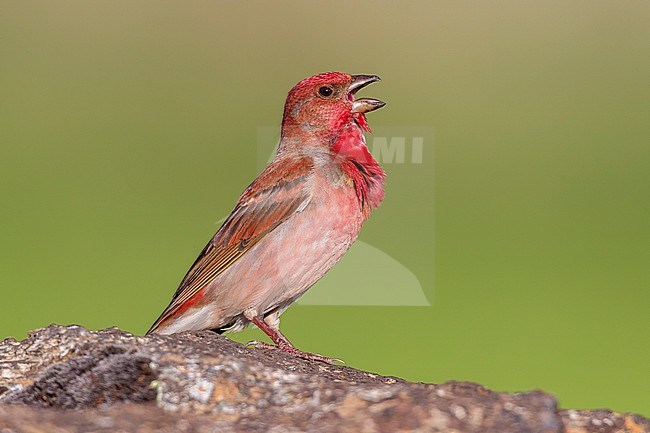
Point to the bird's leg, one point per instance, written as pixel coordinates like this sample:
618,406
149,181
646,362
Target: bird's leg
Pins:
282,343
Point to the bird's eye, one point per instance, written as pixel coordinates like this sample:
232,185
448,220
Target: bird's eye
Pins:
325,91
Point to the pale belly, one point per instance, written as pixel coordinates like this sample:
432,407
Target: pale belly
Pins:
283,265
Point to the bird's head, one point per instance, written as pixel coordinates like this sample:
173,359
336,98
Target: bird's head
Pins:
320,107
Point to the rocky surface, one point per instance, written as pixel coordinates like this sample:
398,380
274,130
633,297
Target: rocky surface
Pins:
69,379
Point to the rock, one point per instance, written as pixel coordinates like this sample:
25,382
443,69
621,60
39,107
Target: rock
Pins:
69,379
602,421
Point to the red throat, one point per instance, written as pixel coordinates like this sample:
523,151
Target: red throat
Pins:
360,118
359,165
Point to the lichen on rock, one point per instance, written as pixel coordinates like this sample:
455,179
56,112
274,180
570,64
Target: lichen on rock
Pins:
110,380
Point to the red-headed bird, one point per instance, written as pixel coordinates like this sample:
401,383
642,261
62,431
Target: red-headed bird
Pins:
293,223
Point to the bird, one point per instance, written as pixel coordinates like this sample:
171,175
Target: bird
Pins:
293,223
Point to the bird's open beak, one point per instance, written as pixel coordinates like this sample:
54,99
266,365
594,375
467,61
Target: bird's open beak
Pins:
363,105
361,81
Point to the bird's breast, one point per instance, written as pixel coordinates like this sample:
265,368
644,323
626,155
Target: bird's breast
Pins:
296,254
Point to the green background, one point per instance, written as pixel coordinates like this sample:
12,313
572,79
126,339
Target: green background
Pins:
128,129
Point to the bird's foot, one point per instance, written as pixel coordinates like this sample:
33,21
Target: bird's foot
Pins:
287,348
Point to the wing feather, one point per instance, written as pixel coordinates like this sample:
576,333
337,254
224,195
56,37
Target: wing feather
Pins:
277,194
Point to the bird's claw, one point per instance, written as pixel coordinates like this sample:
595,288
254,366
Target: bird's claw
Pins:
309,356
294,352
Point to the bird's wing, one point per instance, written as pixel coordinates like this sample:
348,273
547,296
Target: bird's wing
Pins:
278,193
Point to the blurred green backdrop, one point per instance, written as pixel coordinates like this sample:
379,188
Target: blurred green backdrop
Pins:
128,129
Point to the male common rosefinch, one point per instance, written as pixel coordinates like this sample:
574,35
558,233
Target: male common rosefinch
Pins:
293,223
